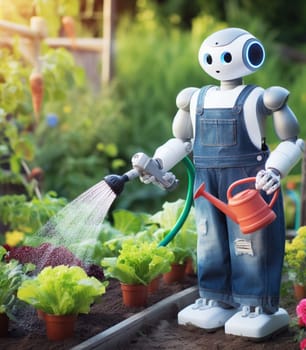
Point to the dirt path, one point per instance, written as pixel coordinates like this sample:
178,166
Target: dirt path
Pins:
168,335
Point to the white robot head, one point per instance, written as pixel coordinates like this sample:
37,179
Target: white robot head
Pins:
230,54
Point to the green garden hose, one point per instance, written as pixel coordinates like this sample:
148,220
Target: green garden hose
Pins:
188,203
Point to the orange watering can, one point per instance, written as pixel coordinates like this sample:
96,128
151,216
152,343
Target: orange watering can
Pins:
247,208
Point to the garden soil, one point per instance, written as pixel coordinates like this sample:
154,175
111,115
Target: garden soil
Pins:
28,332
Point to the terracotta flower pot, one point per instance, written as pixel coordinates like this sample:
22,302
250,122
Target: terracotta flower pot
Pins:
60,327
4,325
176,274
153,286
299,291
41,315
189,270
134,295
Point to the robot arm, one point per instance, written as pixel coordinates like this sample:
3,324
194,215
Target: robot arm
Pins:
290,150
173,151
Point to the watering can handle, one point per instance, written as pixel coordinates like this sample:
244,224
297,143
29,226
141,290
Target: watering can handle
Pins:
246,180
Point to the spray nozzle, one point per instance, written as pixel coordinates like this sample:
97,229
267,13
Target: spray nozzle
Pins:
116,182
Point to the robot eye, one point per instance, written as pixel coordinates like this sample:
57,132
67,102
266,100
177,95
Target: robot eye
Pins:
226,57
207,58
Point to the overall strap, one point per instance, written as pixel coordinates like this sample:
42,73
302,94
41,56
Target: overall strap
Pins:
242,97
200,102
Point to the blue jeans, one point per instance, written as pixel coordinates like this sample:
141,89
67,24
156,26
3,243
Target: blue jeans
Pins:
236,268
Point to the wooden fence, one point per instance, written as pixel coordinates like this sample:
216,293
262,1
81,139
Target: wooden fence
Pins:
94,54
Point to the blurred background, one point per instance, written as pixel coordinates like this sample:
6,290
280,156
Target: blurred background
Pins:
99,110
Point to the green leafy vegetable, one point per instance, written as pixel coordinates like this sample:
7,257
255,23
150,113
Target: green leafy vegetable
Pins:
62,290
128,222
184,243
138,262
12,274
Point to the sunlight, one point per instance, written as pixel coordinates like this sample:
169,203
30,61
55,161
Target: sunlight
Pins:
16,10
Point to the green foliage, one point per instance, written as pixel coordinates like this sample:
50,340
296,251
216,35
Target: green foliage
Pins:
297,98
12,274
87,140
13,78
94,248
181,13
18,143
126,224
62,290
286,32
184,243
20,213
145,228
52,11
138,262
61,73
295,257
15,148
150,74
17,11
177,12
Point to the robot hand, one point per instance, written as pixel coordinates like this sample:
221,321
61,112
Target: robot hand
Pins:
167,178
267,180
151,171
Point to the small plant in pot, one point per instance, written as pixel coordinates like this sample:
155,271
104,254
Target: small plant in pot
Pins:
12,274
183,245
61,293
295,262
182,253
137,264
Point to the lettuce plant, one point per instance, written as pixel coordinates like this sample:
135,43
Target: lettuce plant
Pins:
12,274
184,243
62,290
138,262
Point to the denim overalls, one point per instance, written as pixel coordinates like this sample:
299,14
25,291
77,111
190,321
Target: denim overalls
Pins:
233,268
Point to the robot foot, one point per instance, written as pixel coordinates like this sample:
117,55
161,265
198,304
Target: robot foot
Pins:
256,325
205,314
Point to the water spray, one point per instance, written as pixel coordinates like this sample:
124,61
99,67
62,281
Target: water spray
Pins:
144,165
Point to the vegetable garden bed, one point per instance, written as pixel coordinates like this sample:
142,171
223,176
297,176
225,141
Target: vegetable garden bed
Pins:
28,332
110,322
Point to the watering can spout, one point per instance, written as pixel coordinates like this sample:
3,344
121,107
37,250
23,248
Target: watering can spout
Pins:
215,201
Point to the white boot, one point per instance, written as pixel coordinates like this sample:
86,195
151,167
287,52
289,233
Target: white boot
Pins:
205,314
257,325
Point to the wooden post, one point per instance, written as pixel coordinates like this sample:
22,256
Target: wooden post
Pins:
108,41
303,189
22,30
38,26
31,38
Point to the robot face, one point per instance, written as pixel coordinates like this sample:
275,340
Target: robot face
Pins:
230,54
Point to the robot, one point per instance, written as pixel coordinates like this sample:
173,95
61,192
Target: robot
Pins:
239,275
